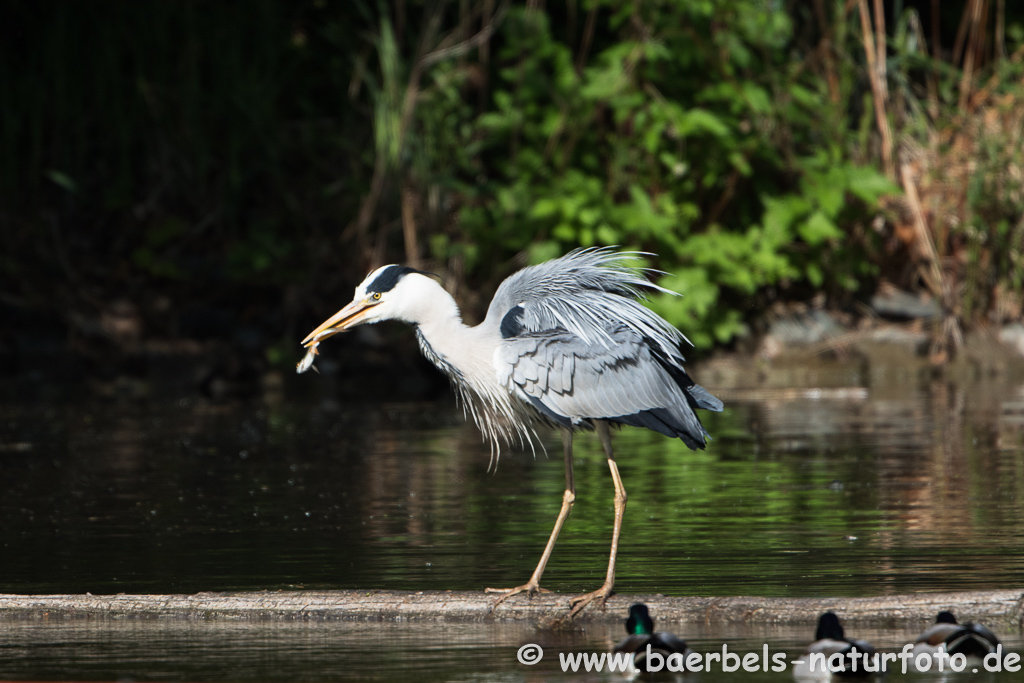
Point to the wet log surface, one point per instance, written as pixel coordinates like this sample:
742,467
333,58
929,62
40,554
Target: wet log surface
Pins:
1004,608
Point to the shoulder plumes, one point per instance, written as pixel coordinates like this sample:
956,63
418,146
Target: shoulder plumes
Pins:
590,269
589,293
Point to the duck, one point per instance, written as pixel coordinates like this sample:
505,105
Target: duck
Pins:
640,627
831,640
971,640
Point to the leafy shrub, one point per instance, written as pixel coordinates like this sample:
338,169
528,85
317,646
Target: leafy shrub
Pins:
667,140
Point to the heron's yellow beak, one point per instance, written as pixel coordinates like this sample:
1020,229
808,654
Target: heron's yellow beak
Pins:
346,318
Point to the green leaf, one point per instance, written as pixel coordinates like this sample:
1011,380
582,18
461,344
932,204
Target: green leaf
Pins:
701,120
818,228
828,190
814,274
780,214
564,232
545,207
757,97
538,252
739,162
869,184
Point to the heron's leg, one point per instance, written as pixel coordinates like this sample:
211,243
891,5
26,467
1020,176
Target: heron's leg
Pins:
568,498
602,593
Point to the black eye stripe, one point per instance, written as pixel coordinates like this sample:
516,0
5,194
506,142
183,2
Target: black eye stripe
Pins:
388,278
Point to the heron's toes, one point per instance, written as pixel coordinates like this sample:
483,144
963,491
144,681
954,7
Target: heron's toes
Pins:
528,588
579,604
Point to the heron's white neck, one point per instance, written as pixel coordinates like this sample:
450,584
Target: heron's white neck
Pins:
464,348
465,354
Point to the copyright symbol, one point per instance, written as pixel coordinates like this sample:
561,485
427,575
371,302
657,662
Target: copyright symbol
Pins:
530,654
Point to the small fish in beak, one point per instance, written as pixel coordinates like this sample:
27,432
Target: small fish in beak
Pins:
307,361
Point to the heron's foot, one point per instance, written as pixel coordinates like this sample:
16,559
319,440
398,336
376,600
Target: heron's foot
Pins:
579,604
530,588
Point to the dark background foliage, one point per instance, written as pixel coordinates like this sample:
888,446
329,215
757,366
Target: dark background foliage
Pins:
182,174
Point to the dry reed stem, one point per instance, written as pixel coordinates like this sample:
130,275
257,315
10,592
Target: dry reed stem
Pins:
880,59
825,46
412,250
969,53
878,88
933,273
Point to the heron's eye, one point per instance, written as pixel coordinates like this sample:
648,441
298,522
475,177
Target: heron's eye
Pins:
376,296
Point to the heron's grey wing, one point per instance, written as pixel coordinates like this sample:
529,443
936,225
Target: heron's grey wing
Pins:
569,381
705,399
581,293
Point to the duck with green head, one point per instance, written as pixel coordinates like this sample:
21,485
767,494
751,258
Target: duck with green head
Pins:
640,627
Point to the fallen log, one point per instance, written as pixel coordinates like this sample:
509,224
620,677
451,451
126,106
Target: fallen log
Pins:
1002,608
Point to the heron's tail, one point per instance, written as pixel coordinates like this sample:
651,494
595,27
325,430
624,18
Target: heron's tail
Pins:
703,398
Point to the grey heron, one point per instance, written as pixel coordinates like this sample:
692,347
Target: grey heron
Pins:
566,343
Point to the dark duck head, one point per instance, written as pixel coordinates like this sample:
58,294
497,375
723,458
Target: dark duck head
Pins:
830,640
640,627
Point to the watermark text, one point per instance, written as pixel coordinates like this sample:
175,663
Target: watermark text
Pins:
853,661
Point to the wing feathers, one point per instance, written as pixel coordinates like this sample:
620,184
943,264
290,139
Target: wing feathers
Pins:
623,382
703,398
582,293
578,345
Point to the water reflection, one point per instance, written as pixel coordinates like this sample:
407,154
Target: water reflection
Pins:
834,491
220,651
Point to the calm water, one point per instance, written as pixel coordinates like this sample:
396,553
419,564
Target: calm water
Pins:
844,491
176,651
801,493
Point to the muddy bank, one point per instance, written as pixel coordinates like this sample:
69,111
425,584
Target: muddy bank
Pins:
1002,609
386,365
880,358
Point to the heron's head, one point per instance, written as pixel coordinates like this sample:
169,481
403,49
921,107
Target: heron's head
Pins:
388,293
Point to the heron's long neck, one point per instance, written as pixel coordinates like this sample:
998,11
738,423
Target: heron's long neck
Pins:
466,355
454,347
